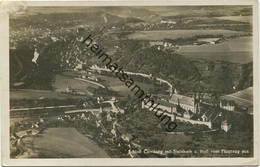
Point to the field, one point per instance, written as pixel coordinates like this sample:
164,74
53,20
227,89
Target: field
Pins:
65,80
246,19
67,143
238,50
62,82
234,57
174,34
116,85
37,94
242,44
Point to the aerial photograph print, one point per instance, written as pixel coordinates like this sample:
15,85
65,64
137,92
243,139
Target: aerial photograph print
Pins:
131,82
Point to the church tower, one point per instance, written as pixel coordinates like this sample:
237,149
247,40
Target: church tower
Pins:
196,103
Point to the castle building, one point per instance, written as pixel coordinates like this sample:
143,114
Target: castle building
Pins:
187,103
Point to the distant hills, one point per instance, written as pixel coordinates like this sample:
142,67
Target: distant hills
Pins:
133,55
94,15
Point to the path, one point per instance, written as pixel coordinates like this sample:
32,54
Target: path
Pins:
138,74
92,82
40,108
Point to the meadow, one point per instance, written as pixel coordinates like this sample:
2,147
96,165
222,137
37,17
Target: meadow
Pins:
233,57
66,142
62,82
39,94
246,19
174,34
118,86
238,50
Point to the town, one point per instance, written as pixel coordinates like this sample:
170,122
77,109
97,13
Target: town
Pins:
65,102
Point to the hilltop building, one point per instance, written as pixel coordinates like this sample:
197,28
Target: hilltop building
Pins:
226,126
184,108
187,103
241,101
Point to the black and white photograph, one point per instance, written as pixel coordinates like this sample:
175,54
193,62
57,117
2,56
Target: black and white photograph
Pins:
165,82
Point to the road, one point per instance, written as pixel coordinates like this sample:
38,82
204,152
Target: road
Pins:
138,74
41,108
83,110
114,107
92,82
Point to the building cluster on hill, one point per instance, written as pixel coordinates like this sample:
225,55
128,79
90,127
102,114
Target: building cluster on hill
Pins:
100,124
240,101
194,111
107,129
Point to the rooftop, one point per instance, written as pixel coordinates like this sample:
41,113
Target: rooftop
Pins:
166,103
182,99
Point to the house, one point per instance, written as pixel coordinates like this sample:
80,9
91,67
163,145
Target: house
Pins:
161,44
78,67
227,105
155,43
225,125
36,55
241,101
209,116
206,116
168,22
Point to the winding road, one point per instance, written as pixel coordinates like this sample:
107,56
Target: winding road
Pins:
41,108
92,82
137,74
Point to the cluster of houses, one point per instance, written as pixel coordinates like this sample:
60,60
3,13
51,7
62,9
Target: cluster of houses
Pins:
193,110
144,26
163,45
240,101
107,126
187,109
89,76
168,22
